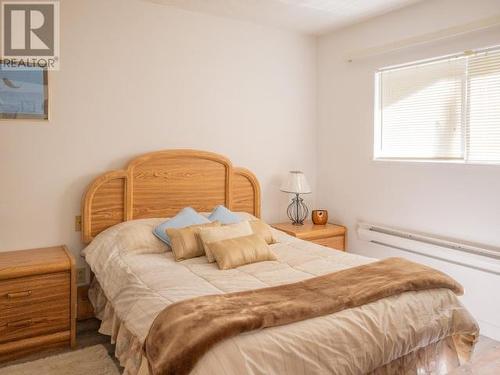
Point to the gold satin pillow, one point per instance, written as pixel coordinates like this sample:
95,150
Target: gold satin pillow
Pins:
209,235
235,252
186,242
262,229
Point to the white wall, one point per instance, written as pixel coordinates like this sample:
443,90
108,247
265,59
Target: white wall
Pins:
137,77
460,201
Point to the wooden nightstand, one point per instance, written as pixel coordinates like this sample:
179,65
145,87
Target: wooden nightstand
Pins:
329,235
37,300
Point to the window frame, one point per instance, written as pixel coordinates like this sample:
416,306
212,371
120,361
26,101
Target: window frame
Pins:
378,114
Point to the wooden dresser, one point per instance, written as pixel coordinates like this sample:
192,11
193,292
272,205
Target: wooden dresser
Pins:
329,235
37,300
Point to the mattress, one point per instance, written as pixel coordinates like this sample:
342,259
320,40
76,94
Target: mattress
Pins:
137,282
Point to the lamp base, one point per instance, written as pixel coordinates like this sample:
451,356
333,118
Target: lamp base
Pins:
297,211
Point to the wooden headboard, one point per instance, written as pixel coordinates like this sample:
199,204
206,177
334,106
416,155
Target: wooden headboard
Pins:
159,184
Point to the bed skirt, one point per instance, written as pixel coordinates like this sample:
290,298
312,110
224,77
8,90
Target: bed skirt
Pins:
127,345
437,358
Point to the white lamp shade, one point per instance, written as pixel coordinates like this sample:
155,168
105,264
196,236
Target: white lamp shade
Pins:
296,183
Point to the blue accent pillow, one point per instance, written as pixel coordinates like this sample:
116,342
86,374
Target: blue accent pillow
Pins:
224,215
186,217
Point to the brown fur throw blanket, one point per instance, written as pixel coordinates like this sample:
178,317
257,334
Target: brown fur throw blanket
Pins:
183,332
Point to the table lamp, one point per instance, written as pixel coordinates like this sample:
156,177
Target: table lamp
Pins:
297,184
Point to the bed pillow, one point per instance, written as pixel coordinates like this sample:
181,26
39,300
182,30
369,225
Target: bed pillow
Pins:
186,242
238,251
186,217
262,229
135,236
224,215
246,216
209,235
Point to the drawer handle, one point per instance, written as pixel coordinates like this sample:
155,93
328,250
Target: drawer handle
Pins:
20,323
26,293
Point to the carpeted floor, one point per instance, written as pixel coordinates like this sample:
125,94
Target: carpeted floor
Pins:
93,360
87,336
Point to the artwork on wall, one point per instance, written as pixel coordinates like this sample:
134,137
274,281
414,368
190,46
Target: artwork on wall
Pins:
23,93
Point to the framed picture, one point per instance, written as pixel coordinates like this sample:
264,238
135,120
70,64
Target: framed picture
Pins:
24,93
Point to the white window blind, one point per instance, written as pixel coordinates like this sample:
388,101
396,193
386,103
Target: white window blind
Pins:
447,109
483,117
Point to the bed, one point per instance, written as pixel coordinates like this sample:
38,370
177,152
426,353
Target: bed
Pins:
136,278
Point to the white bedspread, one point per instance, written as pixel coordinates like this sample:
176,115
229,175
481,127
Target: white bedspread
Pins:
355,341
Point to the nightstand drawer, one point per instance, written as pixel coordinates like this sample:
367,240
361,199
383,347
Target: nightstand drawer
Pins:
336,242
34,305
35,322
26,291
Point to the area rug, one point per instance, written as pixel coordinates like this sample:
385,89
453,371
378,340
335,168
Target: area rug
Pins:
93,360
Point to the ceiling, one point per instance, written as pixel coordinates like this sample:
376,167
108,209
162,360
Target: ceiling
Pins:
307,16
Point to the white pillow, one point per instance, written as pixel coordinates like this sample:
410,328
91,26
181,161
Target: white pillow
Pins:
246,216
136,236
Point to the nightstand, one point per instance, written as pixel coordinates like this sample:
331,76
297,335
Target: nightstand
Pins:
37,300
329,235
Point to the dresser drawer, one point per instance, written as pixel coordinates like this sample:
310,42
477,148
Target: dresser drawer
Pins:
336,242
25,291
34,305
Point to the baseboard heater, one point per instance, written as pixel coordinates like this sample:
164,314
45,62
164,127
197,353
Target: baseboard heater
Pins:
470,255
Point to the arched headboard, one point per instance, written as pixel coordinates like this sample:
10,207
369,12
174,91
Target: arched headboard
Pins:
159,184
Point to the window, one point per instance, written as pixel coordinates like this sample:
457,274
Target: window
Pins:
444,109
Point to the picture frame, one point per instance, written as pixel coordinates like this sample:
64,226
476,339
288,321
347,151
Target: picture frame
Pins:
24,92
